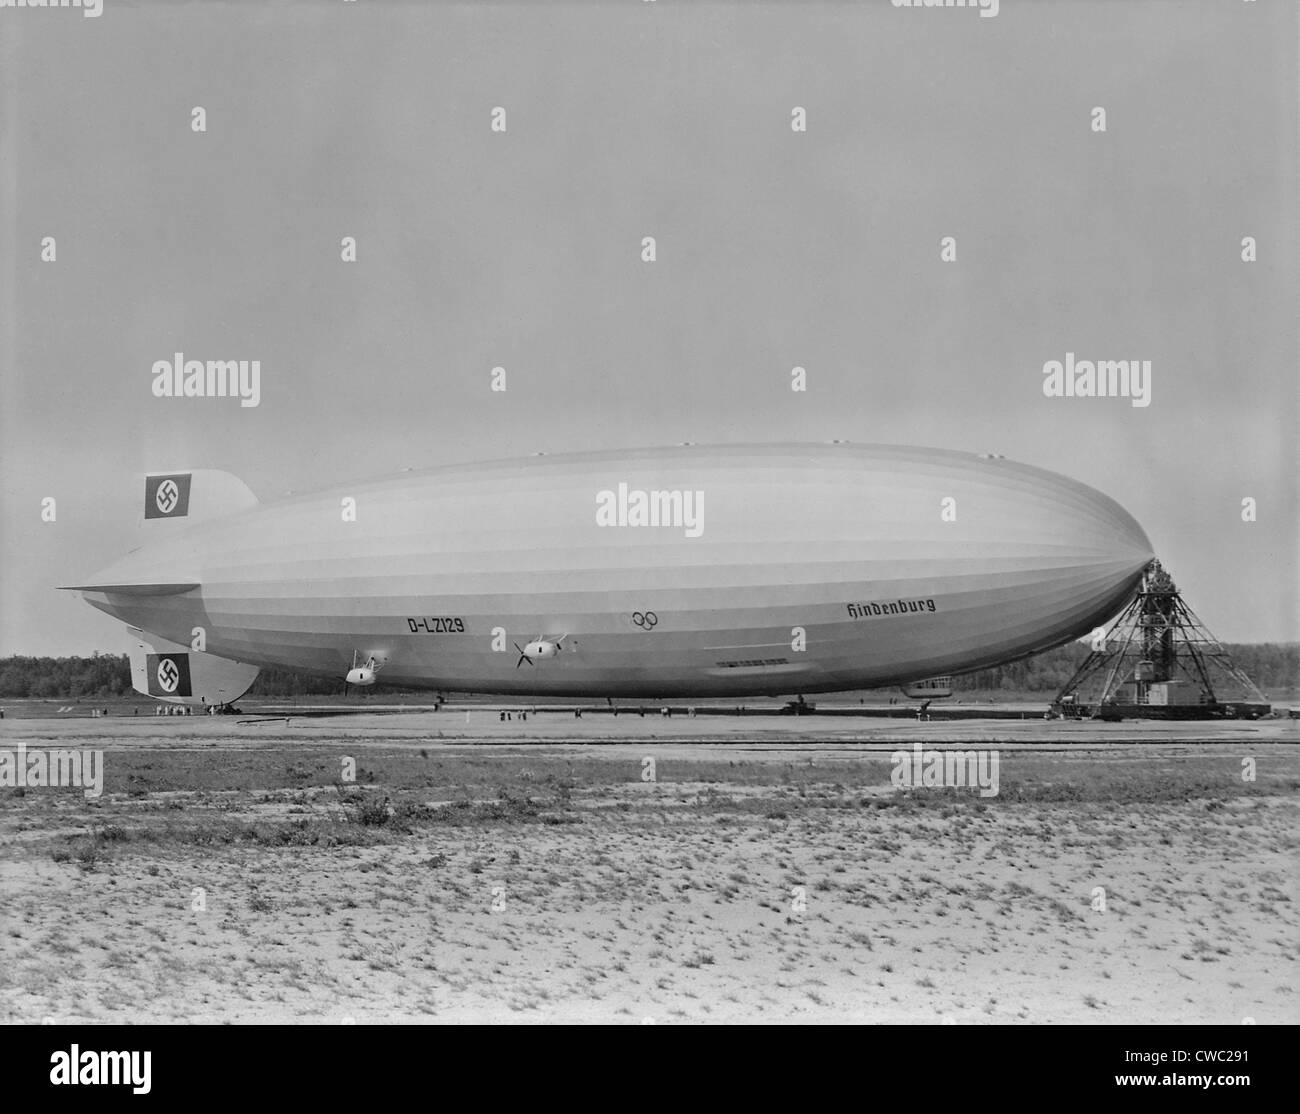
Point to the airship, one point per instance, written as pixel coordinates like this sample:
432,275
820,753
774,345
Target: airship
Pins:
691,571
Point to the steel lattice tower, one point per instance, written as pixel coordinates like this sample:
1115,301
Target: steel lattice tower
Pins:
1159,660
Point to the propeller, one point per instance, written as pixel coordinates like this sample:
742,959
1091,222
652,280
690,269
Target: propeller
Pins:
522,657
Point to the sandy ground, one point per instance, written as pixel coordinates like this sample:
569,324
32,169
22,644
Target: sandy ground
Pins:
228,874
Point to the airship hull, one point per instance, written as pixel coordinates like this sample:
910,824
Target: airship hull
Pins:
686,572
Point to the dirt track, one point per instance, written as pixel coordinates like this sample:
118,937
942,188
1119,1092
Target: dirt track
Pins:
228,872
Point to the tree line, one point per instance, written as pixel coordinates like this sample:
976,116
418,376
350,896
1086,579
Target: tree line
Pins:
107,675
1270,665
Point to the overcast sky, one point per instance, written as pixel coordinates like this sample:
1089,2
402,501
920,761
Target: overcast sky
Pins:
523,249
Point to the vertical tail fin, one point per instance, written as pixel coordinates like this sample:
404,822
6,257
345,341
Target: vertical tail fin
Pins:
194,495
175,673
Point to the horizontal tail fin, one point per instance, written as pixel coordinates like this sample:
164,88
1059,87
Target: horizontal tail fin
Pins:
131,589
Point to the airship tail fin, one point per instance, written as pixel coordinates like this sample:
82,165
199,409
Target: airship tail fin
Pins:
180,675
138,590
192,496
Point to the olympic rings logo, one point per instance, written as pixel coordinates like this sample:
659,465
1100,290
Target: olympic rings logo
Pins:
646,620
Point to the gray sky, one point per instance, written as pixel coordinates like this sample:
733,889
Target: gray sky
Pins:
775,249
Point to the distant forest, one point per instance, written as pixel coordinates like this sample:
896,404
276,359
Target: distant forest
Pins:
1269,665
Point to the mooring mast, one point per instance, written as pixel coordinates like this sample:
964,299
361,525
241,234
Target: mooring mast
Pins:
1159,662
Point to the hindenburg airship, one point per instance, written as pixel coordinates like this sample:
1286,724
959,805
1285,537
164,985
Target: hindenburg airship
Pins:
724,571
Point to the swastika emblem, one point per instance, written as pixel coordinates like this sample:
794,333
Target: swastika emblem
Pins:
168,675
166,496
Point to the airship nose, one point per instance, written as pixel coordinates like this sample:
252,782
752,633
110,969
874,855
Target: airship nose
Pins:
1097,550
1059,516
1107,526
1134,540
